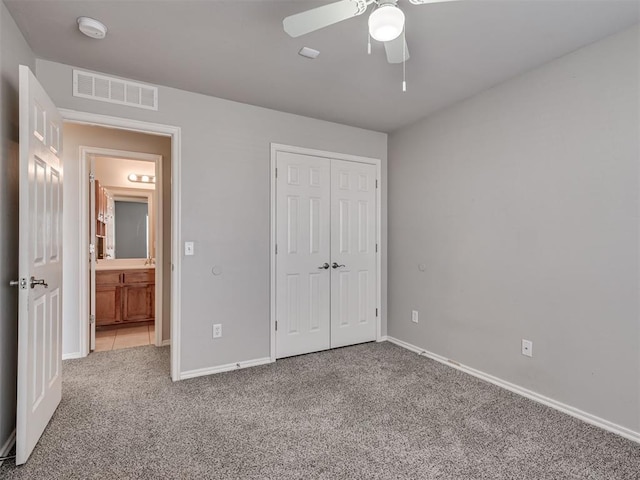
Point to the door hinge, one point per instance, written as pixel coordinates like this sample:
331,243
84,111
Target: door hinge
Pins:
276,248
92,319
276,173
376,312
376,183
376,248
92,177
276,325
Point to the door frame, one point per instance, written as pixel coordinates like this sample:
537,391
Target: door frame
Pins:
156,194
175,133
278,147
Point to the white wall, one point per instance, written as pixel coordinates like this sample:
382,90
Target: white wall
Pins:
225,206
14,51
74,137
522,202
114,172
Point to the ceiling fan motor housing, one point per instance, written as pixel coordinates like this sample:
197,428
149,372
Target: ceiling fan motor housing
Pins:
361,5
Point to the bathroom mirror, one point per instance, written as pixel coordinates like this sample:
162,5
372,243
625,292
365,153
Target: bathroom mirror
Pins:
130,225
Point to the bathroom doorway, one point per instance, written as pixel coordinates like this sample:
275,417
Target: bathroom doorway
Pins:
124,297
121,275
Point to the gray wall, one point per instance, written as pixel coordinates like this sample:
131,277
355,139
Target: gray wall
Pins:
131,229
13,52
225,206
522,202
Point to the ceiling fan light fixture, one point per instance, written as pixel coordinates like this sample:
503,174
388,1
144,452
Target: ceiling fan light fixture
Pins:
386,22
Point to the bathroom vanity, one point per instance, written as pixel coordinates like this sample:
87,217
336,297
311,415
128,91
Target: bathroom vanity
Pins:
124,294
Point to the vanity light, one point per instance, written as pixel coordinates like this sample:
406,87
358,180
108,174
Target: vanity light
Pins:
133,177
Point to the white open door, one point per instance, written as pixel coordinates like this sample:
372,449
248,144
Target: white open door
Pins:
303,255
40,265
353,253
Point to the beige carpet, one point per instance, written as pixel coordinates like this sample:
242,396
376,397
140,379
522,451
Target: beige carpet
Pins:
372,411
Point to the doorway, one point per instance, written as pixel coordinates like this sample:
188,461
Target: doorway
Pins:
90,129
325,257
125,244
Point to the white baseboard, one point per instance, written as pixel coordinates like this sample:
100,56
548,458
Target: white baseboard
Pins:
71,356
165,343
8,445
563,407
224,368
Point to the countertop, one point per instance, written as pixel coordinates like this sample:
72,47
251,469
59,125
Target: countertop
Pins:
108,265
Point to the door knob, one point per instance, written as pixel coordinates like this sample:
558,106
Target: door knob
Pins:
324,267
35,282
335,265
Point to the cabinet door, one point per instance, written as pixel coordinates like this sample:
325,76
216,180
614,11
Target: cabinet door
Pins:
137,303
108,305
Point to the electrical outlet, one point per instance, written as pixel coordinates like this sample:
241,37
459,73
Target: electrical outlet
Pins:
189,248
527,348
414,316
217,330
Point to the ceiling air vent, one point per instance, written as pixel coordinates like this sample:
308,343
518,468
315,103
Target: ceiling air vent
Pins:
114,90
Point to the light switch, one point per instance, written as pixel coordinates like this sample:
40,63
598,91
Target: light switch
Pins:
189,248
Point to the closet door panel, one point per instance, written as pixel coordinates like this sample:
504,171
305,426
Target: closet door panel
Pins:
353,243
303,240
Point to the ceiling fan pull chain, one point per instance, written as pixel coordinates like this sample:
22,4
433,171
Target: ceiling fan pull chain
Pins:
404,59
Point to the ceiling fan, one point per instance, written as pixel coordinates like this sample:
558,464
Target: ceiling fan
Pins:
386,22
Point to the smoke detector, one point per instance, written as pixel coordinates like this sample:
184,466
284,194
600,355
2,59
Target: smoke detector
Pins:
92,27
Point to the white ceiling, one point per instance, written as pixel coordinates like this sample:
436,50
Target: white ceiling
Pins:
238,50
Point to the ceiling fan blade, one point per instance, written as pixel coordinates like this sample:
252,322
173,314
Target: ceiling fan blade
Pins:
317,18
397,50
423,2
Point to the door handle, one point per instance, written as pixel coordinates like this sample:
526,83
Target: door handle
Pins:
335,265
35,282
324,267
22,283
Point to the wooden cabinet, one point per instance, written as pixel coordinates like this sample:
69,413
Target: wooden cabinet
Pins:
124,296
137,303
108,305
102,209
98,203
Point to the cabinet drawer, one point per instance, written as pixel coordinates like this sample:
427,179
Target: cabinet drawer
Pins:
140,276
107,278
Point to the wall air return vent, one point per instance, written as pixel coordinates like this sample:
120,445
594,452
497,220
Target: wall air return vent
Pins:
114,90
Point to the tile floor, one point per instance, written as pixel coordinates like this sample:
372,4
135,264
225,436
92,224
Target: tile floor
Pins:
125,337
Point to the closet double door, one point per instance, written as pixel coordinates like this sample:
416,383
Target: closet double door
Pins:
326,278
